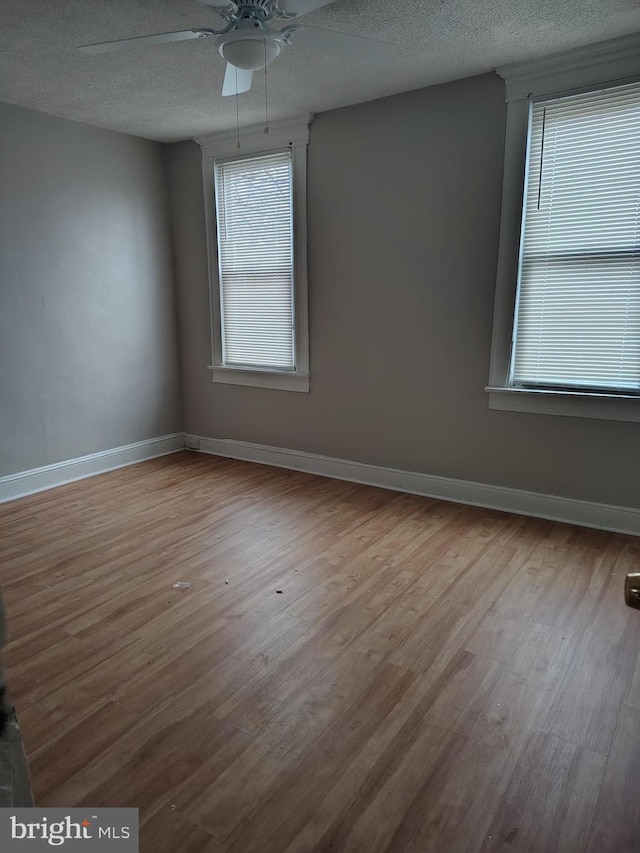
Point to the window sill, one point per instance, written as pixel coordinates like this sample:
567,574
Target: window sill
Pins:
261,378
610,407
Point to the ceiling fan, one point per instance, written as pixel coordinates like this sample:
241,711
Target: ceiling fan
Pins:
250,42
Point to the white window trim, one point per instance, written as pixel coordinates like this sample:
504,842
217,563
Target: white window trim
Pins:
577,70
294,134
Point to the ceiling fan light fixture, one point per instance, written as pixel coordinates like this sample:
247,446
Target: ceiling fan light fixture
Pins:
249,51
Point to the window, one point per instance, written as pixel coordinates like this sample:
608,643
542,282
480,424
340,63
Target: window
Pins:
255,260
255,201
577,320
567,315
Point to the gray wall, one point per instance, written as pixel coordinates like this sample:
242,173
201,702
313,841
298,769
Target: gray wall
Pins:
88,338
404,211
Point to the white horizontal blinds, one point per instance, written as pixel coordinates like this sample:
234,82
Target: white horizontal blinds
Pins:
255,255
578,315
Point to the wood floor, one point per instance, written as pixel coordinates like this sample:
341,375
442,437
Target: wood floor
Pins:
431,677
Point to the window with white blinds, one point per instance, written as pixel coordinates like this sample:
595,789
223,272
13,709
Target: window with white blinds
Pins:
254,203
577,324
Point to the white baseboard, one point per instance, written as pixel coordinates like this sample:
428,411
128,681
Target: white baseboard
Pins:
619,519
49,476
585,513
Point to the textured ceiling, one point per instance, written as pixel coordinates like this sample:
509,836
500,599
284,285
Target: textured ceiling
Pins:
172,91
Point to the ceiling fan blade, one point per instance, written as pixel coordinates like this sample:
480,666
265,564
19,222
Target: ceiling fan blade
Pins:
297,8
236,80
342,44
223,5
143,41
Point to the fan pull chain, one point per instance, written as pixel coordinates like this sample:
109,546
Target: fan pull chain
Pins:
266,91
237,114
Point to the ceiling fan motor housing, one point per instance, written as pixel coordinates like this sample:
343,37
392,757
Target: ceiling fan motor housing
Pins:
263,7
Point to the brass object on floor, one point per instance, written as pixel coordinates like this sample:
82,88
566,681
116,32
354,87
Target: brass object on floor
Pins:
632,590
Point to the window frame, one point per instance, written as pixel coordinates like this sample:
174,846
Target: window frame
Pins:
581,70
292,134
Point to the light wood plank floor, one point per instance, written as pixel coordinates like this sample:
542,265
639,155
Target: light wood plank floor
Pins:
432,677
